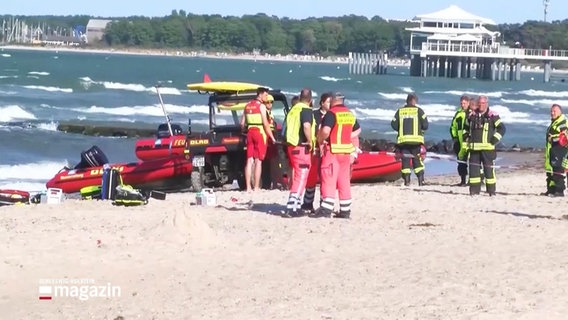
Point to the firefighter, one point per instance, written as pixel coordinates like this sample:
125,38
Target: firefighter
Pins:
456,132
300,139
481,133
309,195
410,122
555,153
255,121
338,127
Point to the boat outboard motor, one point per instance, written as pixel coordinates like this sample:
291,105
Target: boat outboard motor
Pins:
93,157
164,131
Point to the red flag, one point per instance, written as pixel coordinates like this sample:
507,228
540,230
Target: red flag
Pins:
206,78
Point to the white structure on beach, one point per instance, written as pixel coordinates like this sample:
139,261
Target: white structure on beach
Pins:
96,29
452,42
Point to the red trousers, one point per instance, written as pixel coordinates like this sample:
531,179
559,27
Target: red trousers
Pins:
335,175
300,160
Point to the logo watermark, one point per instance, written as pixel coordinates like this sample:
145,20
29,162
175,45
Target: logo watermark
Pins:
82,289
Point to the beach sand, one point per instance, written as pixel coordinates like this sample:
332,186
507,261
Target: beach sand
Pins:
407,253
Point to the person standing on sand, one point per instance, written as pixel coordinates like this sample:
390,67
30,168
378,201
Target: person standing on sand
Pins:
335,139
410,122
555,153
484,130
300,139
309,195
456,132
255,121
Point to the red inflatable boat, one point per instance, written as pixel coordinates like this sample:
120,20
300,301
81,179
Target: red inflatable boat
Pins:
163,174
160,148
375,167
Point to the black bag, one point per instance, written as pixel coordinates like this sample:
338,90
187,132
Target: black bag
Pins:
128,196
93,157
110,181
164,131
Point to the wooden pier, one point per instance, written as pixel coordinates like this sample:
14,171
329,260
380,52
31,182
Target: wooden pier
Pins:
479,61
367,63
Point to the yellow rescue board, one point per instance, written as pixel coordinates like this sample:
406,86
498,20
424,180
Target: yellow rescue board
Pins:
234,107
223,86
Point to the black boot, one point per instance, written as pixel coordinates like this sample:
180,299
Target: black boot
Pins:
343,215
463,182
406,178
420,177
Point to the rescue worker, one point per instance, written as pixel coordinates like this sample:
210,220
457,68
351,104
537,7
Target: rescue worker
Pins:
555,153
309,195
456,132
483,131
300,139
335,140
410,122
255,121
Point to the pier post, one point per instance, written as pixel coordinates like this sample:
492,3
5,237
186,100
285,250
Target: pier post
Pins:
518,71
500,70
511,70
359,63
424,67
350,62
547,70
442,67
468,68
459,68
436,66
493,71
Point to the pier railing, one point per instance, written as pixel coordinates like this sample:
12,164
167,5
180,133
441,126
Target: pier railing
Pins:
494,51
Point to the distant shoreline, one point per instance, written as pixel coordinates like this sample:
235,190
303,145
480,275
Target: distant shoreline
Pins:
199,54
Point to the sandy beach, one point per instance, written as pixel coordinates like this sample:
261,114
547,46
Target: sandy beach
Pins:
407,253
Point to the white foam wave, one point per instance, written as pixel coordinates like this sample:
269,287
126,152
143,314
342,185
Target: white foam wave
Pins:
33,77
378,113
39,73
6,55
23,186
9,77
50,89
541,102
333,79
495,94
393,96
435,112
129,86
8,92
152,110
43,170
50,126
14,112
542,93
509,116
406,89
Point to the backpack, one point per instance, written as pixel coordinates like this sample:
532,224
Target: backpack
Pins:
128,196
91,192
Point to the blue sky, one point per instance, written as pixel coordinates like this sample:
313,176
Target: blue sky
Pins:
501,11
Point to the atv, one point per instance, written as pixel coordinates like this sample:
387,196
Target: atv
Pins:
218,155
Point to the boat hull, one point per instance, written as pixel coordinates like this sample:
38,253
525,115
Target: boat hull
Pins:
160,148
163,174
375,167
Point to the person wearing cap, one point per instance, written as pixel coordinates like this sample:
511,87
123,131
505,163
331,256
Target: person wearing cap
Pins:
255,121
456,132
335,138
481,133
410,122
555,153
300,139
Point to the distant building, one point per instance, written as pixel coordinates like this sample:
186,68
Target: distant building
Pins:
96,29
53,40
451,27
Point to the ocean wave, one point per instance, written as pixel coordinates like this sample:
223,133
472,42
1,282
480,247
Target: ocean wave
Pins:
6,55
540,102
9,77
38,73
393,96
542,93
509,116
48,126
23,186
14,112
495,94
50,89
152,110
333,79
135,87
8,92
43,170
32,77
406,89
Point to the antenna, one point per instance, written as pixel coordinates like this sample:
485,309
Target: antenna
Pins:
545,3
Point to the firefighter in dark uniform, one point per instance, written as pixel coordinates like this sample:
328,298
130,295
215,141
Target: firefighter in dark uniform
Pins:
456,132
481,133
555,153
410,122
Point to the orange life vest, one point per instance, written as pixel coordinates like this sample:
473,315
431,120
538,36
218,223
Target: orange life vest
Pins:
340,136
253,116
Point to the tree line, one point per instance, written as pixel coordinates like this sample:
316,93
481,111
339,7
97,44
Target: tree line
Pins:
274,35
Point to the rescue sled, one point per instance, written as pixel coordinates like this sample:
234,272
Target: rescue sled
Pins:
375,167
11,197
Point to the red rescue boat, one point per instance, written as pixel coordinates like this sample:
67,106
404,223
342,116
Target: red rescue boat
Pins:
10,197
160,148
375,167
162,174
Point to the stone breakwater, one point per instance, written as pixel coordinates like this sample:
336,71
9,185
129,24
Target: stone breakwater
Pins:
443,147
